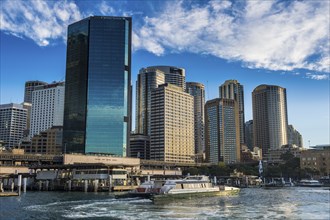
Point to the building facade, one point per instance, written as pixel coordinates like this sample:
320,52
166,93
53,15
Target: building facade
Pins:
270,120
173,75
222,140
47,107
249,134
30,87
316,159
232,89
47,142
294,137
148,78
97,111
139,146
198,92
172,125
13,119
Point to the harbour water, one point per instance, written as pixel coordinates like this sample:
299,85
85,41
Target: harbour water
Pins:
251,203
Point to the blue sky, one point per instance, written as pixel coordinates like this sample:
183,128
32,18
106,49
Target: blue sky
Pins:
284,43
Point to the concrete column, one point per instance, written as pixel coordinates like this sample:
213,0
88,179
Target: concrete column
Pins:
19,184
110,183
69,185
12,185
215,180
85,185
148,177
40,185
96,185
46,185
24,184
1,187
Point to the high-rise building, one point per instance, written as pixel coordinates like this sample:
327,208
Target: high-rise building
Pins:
47,107
270,120
30,87
249,134
222,141
148,78
294,137
98,75
232,89
173,75
140,146
12,123
172,125
28,107
197,91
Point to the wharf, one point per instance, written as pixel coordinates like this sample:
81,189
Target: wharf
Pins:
7,194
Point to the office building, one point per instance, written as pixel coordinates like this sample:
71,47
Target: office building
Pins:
47,107
12,124
232,89
98,75
173,75
139,146
46,142
249,134
198,92
172,125
30,87
294,137
148,78
222,141
270,120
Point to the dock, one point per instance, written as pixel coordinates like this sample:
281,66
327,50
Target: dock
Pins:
7,194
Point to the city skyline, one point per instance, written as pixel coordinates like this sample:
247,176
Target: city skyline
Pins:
294,58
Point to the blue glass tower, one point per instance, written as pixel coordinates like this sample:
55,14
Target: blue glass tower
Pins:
98,74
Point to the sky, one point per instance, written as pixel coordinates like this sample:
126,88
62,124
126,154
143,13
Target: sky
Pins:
283,43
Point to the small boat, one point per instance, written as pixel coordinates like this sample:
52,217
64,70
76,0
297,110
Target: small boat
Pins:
192,186
145,190
310,183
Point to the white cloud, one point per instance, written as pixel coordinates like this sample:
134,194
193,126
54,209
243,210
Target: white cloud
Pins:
41,21
106,9
262,34
317,76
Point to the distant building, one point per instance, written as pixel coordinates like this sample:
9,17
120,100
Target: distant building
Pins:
28,107
97,116
232,89
198,92
47,107
139,146
294,137
222,142
47,142
316,159
249,134
30,87
274,155
148,78
12,124
270,119
173,75
172,125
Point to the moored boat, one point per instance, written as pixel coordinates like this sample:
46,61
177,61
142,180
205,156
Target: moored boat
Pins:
145,190
192,186
310,183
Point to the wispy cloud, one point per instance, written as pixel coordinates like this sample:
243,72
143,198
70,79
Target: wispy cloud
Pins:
262,34
41,21
317,76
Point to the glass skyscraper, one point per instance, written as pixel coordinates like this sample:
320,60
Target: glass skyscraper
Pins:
97,90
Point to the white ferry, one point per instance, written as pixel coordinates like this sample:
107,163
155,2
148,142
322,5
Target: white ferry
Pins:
192,186
310,183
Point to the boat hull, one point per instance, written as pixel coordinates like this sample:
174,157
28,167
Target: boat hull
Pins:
158,198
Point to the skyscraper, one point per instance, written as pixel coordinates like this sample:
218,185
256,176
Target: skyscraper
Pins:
47,107
98,75
12,123
270,120
172,125
222,141
173,75
232,89
197,91
30,87
249,134
294,137
148,78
